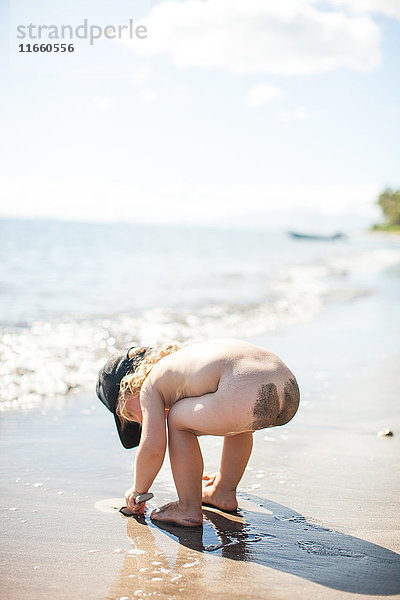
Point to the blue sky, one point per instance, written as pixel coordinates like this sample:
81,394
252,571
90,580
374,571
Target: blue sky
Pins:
229,112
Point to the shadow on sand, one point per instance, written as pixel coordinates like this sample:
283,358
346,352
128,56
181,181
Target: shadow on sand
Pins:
283,539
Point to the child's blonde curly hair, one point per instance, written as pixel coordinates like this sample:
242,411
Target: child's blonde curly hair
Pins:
144,360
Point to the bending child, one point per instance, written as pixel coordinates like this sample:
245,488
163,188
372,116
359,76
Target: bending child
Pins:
228,388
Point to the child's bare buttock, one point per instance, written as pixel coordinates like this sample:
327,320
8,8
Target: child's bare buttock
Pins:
245,387
275,405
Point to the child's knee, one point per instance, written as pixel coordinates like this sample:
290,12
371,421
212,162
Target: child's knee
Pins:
175,419
172,419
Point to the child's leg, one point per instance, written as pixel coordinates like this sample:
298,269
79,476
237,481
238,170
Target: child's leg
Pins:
187,468
198,415
235,456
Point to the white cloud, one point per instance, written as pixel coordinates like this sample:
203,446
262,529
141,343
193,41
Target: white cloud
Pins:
300,113
148,96
102,103
288,37
263,93
389,8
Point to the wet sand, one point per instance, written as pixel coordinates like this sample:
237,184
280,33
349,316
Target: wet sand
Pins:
318,511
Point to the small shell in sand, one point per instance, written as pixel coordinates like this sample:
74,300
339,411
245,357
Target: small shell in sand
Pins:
136,551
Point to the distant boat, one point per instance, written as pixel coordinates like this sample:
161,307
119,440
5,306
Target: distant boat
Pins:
313,236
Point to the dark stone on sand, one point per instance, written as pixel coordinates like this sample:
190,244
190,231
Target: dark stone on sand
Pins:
385,433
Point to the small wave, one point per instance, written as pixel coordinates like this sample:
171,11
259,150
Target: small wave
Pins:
49,360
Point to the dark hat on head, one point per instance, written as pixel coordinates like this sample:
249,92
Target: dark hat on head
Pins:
107,389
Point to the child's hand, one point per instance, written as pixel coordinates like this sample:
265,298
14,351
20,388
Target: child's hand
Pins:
135,509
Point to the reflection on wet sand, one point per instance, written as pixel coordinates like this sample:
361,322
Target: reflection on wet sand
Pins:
278,538
153,568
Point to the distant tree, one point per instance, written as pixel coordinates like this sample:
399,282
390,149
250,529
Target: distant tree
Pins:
389,201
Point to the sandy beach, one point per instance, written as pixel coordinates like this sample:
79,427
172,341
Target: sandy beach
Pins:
318,503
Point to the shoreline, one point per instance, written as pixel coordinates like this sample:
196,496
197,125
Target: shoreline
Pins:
60,353
319,499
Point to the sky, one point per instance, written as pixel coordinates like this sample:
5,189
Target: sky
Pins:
228,112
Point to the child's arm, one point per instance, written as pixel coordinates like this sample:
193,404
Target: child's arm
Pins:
151,451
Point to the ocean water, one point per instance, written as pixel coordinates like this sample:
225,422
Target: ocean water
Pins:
70,293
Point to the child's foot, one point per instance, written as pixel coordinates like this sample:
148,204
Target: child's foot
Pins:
223,499
173,513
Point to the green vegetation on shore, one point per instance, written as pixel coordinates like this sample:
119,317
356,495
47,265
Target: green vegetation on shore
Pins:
390,228
389,201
